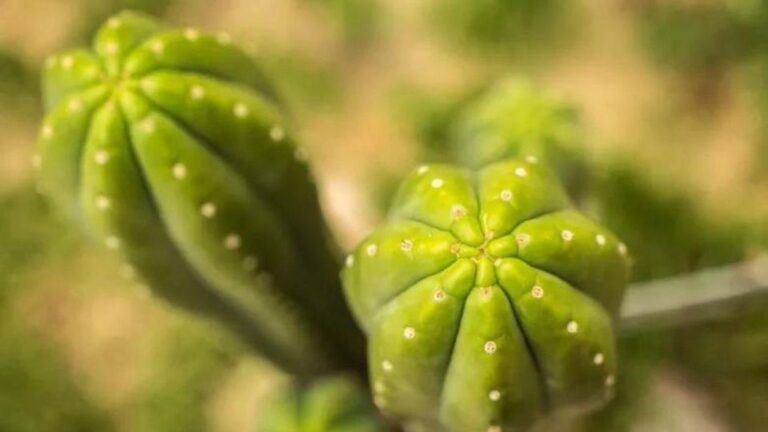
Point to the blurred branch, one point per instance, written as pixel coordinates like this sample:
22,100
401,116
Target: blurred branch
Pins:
706,295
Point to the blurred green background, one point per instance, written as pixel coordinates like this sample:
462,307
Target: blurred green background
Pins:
672,100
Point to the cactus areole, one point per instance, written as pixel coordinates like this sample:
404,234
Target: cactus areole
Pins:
488,302
169,146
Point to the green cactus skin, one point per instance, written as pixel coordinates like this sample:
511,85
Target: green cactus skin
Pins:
487,301
169,147
335,404
515,118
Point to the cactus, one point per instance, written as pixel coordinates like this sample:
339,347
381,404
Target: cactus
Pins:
335,404
515,118
170,147
487,301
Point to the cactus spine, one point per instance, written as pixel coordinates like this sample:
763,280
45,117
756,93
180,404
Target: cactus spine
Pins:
487,301
169,146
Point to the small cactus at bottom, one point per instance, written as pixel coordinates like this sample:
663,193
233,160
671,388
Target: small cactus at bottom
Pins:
487,301
335,404
169,146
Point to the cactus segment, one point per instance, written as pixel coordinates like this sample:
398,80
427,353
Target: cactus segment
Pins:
193,178
334,404
495,333
516,119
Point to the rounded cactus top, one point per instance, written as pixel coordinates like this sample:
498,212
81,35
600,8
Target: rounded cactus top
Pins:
487,300
515,118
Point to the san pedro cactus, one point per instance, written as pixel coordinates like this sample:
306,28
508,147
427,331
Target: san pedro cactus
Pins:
336,404
487,301
516,118
170,147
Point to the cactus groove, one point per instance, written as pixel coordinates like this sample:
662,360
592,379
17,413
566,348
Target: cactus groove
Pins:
488,302
170,147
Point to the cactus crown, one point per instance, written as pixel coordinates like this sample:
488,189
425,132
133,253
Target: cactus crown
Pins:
169,146
487,301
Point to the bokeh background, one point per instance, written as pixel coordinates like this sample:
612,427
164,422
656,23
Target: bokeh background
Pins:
672,99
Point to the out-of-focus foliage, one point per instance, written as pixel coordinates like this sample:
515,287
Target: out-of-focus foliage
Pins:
357,20
336,404
666,230
190,362
516,118
18,83
37,389
503,26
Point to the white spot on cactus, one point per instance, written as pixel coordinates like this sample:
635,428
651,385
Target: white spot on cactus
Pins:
498,262
387,366
114,23
490,347
148,125
36,161
494,428
223,39
439,295
250,263
47,131
379,387
76,104
101,157
521,172
112,242
50,62
157,47
622,249
494,395
610,381
522,240
67,62
537,292
277,133
409,333
111,48
191,34
455,248
197,92
506,195
350,261
179,171
208,210
102,202
422,170
567,235
531,159
371,250
406,245
600,239
437,183
241,110
598,359
572,327
458,211
232,241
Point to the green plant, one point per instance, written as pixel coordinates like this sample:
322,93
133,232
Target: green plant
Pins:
336,404
169,146
487,301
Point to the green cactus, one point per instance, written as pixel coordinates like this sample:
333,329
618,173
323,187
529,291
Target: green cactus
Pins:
169,146
487,301
335,404
515,118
